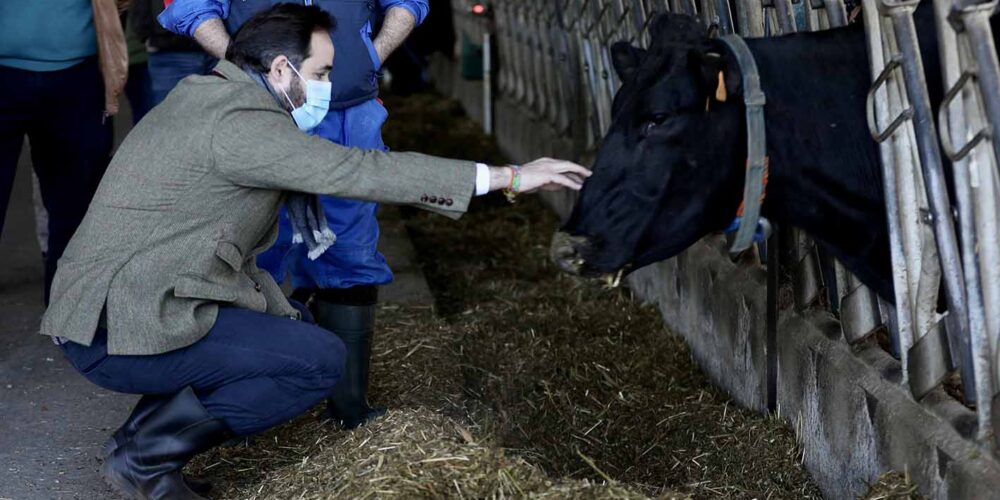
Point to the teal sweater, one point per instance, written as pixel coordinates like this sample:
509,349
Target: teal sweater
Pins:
46,35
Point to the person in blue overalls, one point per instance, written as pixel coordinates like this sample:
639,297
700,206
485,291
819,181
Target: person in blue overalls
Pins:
341,284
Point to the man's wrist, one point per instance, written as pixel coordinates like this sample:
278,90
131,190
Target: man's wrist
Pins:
499,178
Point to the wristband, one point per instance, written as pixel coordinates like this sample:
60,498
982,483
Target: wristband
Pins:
514,187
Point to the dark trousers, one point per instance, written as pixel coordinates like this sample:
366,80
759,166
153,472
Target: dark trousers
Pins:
62,114
139,90
252,370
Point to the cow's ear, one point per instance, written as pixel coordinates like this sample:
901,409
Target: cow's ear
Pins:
718,77
626,58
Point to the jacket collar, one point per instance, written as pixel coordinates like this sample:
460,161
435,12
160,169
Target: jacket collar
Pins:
232,72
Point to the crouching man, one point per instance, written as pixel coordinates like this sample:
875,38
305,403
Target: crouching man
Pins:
158,292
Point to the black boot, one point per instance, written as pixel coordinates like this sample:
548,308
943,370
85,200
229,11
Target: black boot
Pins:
146,406
148,466
355,325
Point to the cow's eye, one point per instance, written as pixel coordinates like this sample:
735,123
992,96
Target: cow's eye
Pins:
654,121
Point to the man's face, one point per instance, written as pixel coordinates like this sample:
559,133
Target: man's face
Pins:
316,67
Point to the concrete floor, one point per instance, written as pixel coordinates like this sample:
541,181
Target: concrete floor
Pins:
52,420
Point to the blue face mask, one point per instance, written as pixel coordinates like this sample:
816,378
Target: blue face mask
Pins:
311,113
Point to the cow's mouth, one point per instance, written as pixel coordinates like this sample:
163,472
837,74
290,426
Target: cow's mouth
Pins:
570,254
568,251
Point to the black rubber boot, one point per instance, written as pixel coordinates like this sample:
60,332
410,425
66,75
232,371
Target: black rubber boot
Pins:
355,325
143,408
146,405
148,466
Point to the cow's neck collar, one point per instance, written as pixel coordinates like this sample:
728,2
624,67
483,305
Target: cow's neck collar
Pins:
748,225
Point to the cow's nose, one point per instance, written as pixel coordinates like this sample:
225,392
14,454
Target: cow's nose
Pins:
567,252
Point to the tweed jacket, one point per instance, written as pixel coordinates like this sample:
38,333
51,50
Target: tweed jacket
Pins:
190,199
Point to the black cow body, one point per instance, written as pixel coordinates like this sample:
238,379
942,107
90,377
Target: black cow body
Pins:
669,172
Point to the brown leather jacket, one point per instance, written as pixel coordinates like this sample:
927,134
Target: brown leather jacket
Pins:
112,52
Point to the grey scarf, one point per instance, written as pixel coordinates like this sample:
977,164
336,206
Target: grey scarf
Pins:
304,210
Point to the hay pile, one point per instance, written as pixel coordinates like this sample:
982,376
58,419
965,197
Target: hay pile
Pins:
893,486
521,382
435,442
413,453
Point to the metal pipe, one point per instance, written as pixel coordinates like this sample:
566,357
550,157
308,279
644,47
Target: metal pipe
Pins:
959,120
904,318
724,16
836,13
786,16
940,209
487,85
976,21
771,342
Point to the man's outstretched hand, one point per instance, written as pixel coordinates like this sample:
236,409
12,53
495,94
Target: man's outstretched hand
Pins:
543,174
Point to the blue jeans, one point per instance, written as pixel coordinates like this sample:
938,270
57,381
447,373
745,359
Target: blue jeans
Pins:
167,68
62,114
252,370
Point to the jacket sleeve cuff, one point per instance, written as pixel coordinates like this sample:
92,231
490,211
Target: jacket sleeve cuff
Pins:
482,179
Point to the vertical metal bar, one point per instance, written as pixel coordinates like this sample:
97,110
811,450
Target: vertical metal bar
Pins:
754,18
786,16
976,21
958,120
836,13
487,84
708,15
724,16
904,317
771,347
940,209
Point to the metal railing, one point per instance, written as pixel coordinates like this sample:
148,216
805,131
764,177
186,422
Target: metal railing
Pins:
555,63
970,115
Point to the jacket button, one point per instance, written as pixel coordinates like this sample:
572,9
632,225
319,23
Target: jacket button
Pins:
256,286
449,202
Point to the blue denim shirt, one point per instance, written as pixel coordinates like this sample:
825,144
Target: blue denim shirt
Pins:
184,16
355,74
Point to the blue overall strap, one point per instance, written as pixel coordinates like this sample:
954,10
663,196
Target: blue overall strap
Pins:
754,99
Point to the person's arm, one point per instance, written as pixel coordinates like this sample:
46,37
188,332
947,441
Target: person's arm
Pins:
213,37
258,146
201,20
401,16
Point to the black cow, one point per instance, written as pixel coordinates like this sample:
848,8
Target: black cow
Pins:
671,168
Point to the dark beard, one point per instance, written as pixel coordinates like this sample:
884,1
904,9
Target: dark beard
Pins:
296,94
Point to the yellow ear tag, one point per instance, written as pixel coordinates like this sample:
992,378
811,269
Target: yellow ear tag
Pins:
720,91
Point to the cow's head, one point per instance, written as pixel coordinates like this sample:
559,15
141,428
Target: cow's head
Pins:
667,173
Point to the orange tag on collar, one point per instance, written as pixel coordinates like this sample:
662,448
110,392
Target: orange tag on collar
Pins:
720,92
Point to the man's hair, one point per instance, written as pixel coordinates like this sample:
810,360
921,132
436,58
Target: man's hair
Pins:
285,29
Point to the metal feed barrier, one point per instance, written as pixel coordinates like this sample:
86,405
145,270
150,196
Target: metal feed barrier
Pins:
555,63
